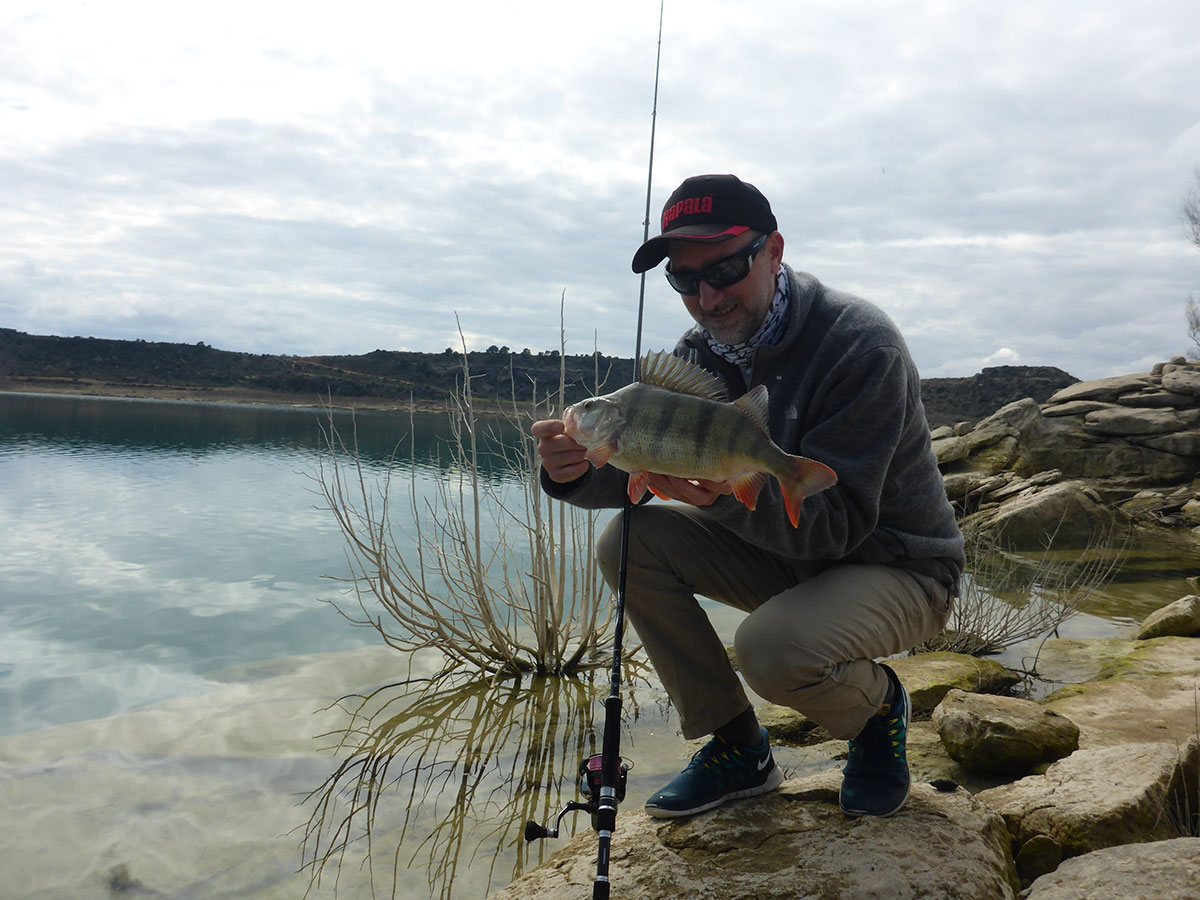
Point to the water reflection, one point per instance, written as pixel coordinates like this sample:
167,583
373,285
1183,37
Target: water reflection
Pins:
449,769
92,425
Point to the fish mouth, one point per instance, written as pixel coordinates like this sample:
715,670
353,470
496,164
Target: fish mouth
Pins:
570,420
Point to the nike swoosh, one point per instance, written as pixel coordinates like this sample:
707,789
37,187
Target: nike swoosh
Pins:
763,763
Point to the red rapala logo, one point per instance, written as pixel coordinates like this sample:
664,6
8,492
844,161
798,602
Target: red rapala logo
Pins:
691,207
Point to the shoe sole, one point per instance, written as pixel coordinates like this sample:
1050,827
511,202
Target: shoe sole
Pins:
774,780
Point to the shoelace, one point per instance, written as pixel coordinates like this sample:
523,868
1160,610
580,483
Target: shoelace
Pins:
720,759
893,731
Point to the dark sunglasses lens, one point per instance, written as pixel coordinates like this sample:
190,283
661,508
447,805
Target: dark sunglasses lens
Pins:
687,283
727,272
720,274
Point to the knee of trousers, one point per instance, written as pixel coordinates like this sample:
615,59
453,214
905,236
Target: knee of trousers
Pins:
775,662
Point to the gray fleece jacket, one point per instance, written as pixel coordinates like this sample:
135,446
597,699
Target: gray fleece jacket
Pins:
844,391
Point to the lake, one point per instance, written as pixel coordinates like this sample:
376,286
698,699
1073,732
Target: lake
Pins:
169,671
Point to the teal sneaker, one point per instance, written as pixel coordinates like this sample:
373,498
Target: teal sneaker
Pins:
718,772
876,780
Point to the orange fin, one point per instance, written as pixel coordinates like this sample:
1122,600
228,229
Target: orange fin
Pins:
755,405
600,455
746,488
663,370
638,482
808,477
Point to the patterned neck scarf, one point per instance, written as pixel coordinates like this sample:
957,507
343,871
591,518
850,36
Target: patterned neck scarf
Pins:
768,335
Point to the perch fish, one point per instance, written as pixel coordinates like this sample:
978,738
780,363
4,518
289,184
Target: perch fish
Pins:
675,421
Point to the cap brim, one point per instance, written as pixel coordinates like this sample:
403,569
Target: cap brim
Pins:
654,251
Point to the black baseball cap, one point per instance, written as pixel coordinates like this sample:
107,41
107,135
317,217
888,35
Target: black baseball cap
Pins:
707,209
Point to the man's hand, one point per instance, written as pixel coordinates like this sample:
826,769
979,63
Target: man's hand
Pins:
697,492
562,458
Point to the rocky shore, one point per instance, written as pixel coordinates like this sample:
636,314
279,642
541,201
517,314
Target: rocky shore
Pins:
1089,793
1098,460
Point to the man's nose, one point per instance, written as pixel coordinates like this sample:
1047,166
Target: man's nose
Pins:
710,296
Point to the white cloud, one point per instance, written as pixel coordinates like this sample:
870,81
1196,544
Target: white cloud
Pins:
277,178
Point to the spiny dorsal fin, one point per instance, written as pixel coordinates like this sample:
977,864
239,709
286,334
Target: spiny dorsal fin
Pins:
755,404
663,370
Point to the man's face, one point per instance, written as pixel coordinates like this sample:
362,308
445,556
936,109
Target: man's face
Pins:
732,314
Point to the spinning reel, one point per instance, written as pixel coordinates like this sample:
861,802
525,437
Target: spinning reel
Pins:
591,779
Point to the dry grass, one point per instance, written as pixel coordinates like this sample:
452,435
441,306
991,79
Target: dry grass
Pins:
1007,599
498,581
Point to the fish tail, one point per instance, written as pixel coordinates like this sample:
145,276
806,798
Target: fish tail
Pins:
807,477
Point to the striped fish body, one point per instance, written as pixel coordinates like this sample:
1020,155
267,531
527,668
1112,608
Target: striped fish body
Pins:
675,422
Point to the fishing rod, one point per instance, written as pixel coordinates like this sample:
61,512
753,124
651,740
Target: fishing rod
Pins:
602,778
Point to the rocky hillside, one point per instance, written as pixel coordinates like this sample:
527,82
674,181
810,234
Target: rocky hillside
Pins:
33,360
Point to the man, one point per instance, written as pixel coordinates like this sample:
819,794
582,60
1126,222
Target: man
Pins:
870,570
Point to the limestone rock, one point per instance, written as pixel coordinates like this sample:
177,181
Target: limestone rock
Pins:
950,449
1074,408
1002,734
1141,691
1179,618
1135,421
1102,797
1068,512
929,677
1181,443
1108,389
1038,856
1161,870
1182,381
794,843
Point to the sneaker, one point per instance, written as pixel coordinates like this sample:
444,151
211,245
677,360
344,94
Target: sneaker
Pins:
718,772
875,781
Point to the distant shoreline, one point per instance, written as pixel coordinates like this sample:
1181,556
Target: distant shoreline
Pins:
84,387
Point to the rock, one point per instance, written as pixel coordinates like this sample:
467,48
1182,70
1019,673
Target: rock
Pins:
1157,398
1002,734
1181,443
1038,856
1182,381
1102,797
1069,514
1180,618
1161,870
950,449
1108,389
1074,408
1129,678
943,431
794,843
1135,421
786,726
964,485
1191,512
929,677
961,428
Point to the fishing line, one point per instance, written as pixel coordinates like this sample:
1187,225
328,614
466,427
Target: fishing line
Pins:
603,779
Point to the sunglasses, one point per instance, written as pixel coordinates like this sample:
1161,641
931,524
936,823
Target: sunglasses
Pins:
721,274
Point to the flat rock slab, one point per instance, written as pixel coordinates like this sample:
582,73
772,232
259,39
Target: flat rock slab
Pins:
1142,691
1161,870
792,844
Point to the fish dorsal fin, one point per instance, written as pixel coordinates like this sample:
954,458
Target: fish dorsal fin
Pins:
755,404
663,370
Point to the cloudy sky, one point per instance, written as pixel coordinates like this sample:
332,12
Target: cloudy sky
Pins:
1004,178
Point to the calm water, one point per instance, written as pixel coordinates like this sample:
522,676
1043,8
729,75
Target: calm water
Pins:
166,663
146,545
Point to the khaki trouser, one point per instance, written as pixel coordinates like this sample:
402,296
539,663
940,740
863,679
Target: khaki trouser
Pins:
809,642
